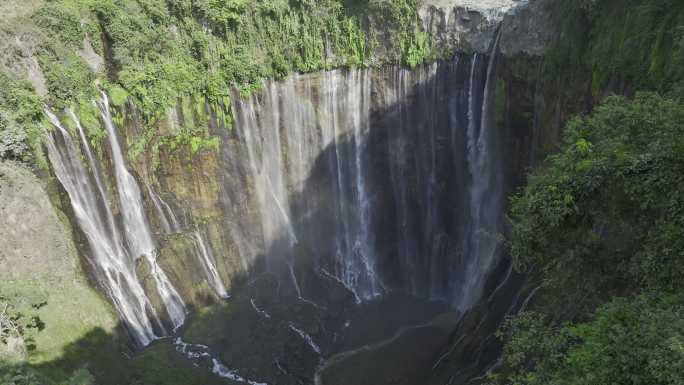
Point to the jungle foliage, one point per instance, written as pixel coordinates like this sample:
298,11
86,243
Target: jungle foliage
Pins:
609,209
637,341
601,226
158,51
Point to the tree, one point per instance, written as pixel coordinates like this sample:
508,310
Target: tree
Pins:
601,225
629,341
606,215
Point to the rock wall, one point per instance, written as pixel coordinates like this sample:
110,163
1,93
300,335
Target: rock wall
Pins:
208,198
463,25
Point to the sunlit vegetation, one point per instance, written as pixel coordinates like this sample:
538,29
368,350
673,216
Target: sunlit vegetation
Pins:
601,226
158,51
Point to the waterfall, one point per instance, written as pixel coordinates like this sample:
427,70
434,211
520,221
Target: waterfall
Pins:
389,178
209,265
309,120
307,338
114,245
407,248
423,218
112,263
261,136
485,190
138,234
346,103
167,218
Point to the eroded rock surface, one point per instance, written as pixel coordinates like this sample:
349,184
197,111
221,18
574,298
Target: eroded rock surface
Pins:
471,25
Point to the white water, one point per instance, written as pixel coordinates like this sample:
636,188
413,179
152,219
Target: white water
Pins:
362,248
223,371
399,148
191,351
138,234
261,312
198,352
484,190
168,220
112,263
307,338
284,130
322,177
209,265
345,116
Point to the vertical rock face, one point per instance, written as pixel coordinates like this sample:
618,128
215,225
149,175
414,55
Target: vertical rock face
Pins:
388,179
385,179
471,25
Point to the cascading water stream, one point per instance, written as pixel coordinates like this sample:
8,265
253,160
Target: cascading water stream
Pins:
278,166
96,174
114,246
209,265
485,190
112,263
167,218
138,234
407,248
346,101
321,137
306,337
199,353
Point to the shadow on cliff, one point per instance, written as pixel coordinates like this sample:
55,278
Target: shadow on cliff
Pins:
422,141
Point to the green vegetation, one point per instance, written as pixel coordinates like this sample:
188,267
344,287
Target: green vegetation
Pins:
19,322
638,341
20,120
621,45
157,52
47,308
604,219
45,320
599,227
607,210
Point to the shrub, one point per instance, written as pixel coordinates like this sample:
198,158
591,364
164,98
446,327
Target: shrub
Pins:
607,210
13,141
629,341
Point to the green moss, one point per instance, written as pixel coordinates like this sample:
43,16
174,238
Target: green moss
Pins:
415,49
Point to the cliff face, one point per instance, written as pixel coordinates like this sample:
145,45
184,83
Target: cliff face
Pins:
204,197
323,180
360,182
472,25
